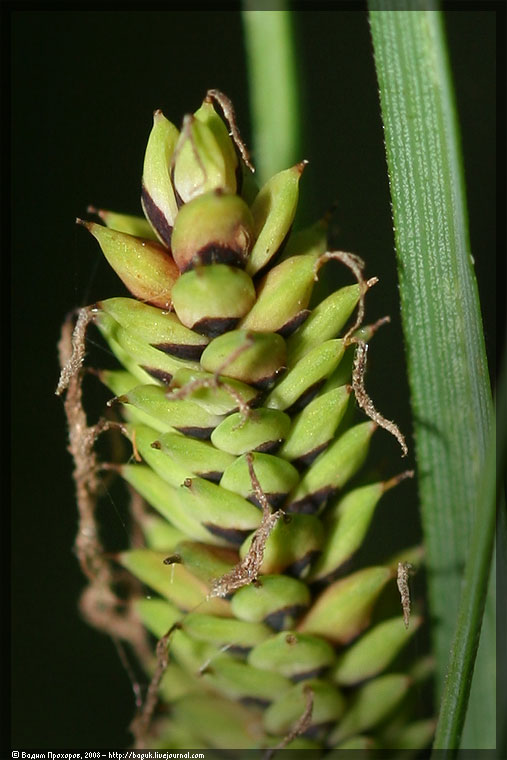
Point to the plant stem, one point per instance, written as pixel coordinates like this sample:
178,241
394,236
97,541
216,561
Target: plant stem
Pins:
274,97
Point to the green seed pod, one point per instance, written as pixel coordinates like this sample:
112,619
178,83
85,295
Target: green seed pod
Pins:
342,374
237,634
208,116
170,414
254,358
328,707
130,225
332,469
314,427
214,228
195,456
141,376
343,610
190,654
276,478
291,545
203,561
158,615
157,199
160,329
212,299
160,535
156,363
142,438
165,500
223,513
204,158
120,387
218,721
174,582
374,651
325,321
309,240
297,656
196,506
176,683
306,377
371,705
121,382
263,431
242,682
346,524
277,600
220,395
283,296
145,267
273,211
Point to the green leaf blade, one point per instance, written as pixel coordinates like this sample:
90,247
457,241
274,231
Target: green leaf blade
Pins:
446,356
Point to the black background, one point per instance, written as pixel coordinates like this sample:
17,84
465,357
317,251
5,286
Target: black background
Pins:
84,86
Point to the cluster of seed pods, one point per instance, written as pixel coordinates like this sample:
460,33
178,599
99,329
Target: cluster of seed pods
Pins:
237,391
